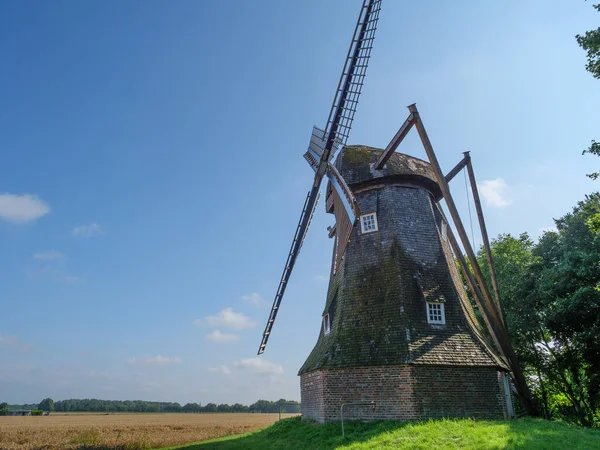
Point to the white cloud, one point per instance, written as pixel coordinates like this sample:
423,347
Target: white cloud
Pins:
254,299
228,318
492,190
321,278
158,359
48,256
19,209
221,338
87,231
260,365
223,370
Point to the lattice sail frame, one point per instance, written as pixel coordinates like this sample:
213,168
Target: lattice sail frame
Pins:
336,133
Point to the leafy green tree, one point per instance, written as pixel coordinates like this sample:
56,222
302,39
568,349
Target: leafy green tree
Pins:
551,298
46,405
3,409
590,42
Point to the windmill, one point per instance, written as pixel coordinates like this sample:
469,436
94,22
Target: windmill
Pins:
398,329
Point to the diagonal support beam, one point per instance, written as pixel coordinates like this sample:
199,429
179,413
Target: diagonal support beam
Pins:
484,235
460,166
503,338
395,142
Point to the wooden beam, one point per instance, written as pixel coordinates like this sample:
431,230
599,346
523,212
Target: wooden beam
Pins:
494,318
477,295
484,235
395,142
460,166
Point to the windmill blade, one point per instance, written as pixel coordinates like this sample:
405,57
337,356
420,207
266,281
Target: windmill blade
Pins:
345,209
344,193
316,148
351,81
337,131
308,211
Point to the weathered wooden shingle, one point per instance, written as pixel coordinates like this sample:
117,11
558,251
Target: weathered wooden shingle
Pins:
377,308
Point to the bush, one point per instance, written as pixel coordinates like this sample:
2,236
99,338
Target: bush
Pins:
37,412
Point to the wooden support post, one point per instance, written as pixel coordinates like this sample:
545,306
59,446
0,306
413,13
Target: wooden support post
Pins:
395,142
477,295
457,168
494,318
484,235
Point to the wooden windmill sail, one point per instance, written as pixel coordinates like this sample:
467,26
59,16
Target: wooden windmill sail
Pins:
324,143
397,320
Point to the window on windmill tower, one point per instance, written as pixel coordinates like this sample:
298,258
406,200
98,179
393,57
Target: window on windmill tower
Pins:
326,324
435,313
368,223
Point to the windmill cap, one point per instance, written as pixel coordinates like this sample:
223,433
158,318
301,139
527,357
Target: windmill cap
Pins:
356,164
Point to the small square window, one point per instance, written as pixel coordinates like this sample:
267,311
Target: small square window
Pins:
326,324
435,313
368,223
444,230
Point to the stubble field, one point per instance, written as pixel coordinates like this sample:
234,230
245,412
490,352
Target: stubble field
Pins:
123,431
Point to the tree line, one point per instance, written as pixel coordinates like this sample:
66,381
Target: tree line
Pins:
550,292
95,405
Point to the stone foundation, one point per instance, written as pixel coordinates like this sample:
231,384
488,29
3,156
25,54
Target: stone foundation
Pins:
408,392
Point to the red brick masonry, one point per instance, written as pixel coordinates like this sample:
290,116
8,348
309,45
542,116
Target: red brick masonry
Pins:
408,392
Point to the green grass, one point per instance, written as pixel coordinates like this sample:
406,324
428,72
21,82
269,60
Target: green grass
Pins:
292,434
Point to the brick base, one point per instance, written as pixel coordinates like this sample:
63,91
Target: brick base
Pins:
403,393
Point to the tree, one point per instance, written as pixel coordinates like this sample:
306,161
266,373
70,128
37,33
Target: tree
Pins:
590,42
551,297
3,409
46,405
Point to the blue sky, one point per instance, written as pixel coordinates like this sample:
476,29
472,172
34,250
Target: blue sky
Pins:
151,172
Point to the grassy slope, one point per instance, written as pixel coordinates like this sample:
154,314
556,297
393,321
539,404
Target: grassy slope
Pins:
534,434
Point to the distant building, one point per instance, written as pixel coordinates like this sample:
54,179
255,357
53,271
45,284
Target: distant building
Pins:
19,412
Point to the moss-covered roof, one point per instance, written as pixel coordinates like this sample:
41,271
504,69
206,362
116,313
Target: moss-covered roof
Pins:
356,165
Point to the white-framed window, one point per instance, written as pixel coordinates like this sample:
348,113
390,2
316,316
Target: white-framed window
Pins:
368,223
435,313
326,324
444,230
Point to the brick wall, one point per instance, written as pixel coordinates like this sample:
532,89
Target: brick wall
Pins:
408,392
458,392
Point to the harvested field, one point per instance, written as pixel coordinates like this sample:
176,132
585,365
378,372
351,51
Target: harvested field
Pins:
123,431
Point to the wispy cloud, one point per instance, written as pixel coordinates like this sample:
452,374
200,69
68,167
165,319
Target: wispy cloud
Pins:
254,299
48,256
221,338
223,370
13,343
56,275
228,318
492,192
20,209
321,278
87,231
260,365
158,359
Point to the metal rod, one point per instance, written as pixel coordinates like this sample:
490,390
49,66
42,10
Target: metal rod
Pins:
369,403
504,339
484,235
